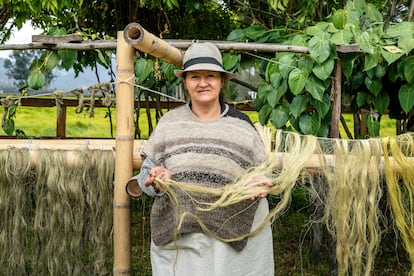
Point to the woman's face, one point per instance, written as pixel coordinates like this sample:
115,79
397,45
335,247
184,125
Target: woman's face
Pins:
203,86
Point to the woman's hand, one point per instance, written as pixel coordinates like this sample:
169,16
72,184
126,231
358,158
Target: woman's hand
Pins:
260,181
160,173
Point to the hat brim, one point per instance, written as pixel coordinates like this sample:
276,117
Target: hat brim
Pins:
205,67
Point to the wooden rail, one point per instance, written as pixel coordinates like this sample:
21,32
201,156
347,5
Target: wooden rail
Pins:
61,118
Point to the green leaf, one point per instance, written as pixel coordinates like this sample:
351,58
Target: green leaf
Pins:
361,99
390,57
360,6
264,113
373,126
315,87
381,102
168,71
68,58
272,67
279,117
319,48
312,30
364,43
36,80
371,60
406,43
35,67
287,63
298,105
237,35
143,68
309,124
409,70
374,14
230,62
297,81
282,88
253,32
51,59
275,79
357,80
264,90
323,71
406,97
9,127
348,65
102,59
400,29
322,107
343,37
373,85
305,63
380,71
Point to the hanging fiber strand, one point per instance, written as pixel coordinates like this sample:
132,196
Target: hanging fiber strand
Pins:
56,219
401,187
354,173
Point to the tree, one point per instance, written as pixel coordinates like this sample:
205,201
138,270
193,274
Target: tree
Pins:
18,64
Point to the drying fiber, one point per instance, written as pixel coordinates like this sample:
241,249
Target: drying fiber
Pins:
56,217
354,172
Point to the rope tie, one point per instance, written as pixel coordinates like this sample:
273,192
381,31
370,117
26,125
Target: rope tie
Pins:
78,92
127,80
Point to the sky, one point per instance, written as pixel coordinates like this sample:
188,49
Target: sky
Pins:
22,36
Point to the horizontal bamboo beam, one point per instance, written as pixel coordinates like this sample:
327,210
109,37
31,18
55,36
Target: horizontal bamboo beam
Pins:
71,146
109,144
177,43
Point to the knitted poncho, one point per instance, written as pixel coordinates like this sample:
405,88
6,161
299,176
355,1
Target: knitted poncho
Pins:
206,153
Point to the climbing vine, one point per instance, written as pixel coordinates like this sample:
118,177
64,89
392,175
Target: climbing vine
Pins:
296,91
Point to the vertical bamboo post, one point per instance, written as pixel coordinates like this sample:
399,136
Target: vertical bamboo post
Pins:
124,152
336,100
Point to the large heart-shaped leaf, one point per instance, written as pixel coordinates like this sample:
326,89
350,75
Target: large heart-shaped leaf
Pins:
36,80
324,70
319,48
381,102
279,116
406,97
315,87
143,68
298,105
297,81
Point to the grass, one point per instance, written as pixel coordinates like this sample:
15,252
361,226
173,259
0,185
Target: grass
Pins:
41,122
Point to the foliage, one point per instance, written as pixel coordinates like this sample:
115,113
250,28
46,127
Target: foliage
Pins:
17,66
296,93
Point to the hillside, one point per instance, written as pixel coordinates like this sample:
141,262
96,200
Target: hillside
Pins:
64,80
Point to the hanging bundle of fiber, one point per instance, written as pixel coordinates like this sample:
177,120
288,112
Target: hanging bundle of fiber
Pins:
56,218
353,171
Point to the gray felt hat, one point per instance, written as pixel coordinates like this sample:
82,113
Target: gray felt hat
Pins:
203,56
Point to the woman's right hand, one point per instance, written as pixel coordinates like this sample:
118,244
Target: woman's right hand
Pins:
160,173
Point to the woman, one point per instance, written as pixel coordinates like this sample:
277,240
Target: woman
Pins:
210,144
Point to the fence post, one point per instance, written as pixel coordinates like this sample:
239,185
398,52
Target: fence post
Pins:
61,122
124,145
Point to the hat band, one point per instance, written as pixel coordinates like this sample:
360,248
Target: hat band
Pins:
202,60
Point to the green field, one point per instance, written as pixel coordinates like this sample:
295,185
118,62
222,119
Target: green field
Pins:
41,122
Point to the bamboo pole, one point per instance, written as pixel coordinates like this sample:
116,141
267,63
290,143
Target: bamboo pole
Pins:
71,145
124,152
139,38
109,144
